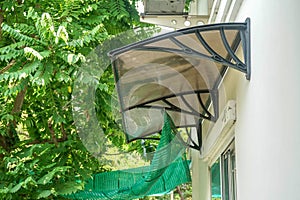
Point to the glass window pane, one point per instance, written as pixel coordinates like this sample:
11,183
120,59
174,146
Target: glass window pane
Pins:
216,181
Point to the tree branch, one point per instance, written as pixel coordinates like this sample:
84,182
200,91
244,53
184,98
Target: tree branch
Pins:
64,134
19,101
180,193
9,140
7,67
3,142
58,140
54,139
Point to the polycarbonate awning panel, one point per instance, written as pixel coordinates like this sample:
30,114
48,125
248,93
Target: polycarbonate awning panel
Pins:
179,72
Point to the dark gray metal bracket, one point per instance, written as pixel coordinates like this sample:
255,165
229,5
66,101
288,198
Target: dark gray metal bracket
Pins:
191,111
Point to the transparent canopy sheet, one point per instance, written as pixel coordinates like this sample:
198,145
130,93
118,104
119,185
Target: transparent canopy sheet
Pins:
180,72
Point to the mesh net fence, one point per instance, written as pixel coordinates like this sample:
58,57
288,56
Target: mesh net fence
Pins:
168,169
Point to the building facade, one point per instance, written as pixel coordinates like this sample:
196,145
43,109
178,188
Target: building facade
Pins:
253,150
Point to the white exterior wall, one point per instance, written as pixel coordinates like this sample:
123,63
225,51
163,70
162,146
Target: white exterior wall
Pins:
267,131
268,109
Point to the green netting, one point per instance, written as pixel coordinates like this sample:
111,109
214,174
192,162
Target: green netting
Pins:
168,169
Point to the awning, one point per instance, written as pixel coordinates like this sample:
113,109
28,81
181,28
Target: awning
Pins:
179,72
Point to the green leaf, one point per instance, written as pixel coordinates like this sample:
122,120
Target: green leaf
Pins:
71,58
62,76
29,180
33,52
4,190
58,119
7,117
17,35
48,177
103,87
68,187
63,34
23,73
45,53
16,187
44,194
48,166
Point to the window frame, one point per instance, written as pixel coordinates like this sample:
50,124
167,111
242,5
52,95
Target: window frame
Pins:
228,180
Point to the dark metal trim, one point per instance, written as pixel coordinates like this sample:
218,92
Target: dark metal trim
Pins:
199,135
194,145
188,51
247,47
214,55
190,107
167,97
206,115
203,106
239,64
147,14
209,27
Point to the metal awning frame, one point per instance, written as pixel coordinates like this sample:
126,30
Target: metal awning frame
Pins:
231,61
244,37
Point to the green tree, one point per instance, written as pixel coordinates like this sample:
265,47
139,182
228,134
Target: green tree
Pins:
42,47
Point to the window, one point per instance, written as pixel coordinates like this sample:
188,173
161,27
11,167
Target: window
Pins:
215,176
223,176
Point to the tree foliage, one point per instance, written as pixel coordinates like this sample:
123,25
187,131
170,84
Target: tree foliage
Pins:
42,47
